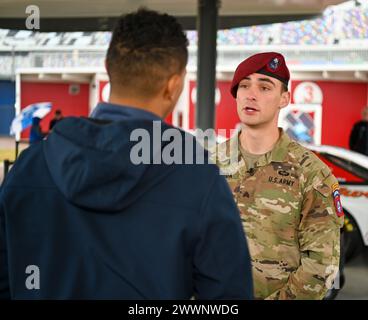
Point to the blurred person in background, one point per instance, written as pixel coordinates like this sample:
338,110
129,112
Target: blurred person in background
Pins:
36,133
57,117
359,134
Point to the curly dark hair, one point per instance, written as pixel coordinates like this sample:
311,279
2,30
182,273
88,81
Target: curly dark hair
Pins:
146,48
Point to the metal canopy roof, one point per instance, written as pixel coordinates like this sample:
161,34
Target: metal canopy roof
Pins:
94,15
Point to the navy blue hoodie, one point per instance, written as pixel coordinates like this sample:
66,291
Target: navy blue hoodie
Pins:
97,226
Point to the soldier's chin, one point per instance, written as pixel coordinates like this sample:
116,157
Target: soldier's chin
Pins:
249,122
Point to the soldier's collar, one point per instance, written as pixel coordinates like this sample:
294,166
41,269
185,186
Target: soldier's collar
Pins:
277,154
230,150
279,151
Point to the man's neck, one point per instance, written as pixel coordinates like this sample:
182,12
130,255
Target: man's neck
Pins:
142,104
259,140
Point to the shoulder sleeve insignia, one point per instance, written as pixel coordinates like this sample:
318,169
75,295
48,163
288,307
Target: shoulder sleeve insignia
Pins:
336,199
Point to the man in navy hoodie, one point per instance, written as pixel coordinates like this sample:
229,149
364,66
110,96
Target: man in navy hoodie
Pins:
81,220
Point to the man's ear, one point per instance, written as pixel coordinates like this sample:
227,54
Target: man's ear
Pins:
174,87
285,99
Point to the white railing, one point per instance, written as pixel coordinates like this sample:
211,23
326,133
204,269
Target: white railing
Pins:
228,57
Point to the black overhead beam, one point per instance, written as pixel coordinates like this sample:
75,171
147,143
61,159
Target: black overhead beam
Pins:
107,23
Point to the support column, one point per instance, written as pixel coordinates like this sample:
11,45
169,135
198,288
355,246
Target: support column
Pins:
206,63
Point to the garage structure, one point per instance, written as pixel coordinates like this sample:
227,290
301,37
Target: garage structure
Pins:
206,15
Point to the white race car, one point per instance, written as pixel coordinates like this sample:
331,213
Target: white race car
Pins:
351,169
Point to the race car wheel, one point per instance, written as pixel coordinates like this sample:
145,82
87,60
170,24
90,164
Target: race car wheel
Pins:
352,243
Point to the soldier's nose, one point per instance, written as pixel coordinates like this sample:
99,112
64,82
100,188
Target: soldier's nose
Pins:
251,98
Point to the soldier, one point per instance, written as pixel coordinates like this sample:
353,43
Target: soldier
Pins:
288,198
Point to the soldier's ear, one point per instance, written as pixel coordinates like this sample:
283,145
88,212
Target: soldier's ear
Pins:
285,99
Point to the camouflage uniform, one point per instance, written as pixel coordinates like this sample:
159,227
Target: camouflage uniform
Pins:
288,213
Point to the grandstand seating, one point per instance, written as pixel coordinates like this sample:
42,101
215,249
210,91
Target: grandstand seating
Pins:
339,26
335,23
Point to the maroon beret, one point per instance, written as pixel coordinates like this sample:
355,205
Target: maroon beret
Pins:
269,63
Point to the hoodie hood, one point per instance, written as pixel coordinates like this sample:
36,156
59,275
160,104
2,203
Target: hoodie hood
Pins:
89,158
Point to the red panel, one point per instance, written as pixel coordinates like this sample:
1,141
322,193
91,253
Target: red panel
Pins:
192,85
226,114
101,87
341,108
58,94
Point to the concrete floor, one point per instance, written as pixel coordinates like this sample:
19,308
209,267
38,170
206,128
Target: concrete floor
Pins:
356,279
